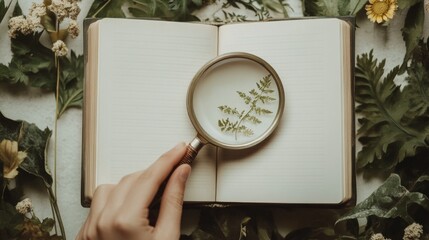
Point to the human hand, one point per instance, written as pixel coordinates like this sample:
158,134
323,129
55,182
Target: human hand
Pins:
121,211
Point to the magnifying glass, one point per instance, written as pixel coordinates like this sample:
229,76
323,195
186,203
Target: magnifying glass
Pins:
235,101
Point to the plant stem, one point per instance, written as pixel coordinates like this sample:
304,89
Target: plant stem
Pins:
57,93
54,204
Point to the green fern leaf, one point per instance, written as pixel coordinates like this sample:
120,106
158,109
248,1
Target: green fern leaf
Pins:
386,139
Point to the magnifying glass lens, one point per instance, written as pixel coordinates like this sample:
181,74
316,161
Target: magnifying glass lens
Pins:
235,102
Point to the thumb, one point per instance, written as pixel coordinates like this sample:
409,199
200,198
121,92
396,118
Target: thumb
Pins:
172,202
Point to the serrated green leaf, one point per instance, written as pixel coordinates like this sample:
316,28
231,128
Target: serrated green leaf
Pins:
390,200
412,31
71,83
32,64
383,131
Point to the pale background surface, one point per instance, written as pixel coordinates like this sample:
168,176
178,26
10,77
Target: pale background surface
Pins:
38,107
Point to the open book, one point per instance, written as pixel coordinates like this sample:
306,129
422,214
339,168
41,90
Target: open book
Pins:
137,76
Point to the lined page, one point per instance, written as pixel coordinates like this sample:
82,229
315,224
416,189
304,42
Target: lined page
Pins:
145,68
303,161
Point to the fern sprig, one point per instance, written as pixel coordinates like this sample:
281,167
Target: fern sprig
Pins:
252,100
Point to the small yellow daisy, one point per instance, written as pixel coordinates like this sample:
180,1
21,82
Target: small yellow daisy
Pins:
381,10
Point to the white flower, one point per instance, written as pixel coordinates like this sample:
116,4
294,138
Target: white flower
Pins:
24,206
37,10
378,236
11,158
64,9
59,48
18,24
73,29
34,23
413,232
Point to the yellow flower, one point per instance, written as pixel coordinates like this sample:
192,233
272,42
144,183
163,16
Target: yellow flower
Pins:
381,10
11,158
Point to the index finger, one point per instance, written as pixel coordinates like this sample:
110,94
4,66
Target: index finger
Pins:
147,184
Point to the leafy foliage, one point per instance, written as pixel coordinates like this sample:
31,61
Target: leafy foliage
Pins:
235,224
251,100
172,10
183,10
389,130
391,200
332,8
413,29
392,207
32,63
34,141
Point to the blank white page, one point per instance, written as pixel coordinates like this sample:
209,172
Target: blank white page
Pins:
145,68
303,161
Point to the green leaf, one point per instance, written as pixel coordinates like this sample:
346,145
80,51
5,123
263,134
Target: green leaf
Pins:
352,8
71,84
9,218
9,129
47,225
386,138
332,8
412,31
403,4
32,64
107,8
35,142
320,7
390,200
3,9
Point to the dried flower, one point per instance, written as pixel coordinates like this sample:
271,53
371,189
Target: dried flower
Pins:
413,232
427,5
11,158
37,10
381,10
34,23
18,24
378,236
73,29
64,9
59,48
24,206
